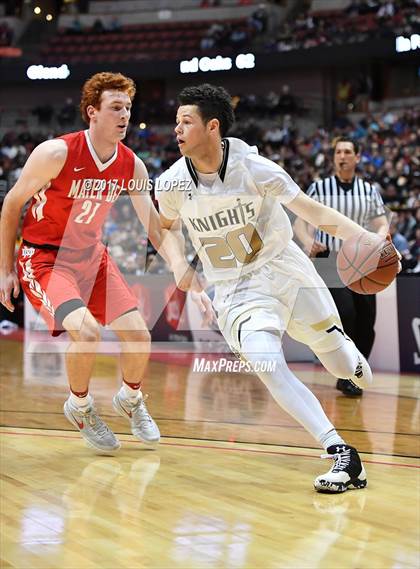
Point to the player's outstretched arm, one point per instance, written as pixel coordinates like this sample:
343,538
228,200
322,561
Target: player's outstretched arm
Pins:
327,219
173,249
306,235
143,204
380,225
43,165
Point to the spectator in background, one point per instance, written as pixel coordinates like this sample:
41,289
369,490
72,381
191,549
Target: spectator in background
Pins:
44,113
238,37
387,10
402,246
415,251
98,26
361,201
6,34
76,27
399,240
207,43
259,19
406,225
287,101
271,102
114,25
213,36
352,9
67,113
209,3
363,91
343,95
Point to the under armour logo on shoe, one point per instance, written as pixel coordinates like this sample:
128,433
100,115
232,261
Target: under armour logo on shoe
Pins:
358,372
340,449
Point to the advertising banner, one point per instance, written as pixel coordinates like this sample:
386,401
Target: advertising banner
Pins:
408,298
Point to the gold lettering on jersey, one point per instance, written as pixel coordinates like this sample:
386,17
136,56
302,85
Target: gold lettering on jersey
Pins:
241,214
240,245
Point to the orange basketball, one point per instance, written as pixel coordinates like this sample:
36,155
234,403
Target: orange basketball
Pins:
367,263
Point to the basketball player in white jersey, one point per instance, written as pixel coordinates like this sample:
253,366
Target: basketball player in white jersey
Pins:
231,201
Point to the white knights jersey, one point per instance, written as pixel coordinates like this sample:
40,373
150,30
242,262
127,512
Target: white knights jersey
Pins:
236,222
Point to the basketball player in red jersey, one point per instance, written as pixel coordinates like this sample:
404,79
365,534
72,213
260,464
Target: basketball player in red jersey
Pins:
64,268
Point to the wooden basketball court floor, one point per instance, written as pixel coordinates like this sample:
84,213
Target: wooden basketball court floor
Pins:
230,485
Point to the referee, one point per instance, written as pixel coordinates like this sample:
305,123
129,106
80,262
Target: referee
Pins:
361,201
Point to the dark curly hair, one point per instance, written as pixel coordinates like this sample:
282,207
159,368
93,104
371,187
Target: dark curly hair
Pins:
212,102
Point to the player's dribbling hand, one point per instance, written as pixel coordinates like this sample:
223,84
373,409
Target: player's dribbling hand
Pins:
8,282
204,304
313,248
389,238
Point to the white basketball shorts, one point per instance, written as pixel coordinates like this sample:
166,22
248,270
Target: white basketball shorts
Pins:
286,294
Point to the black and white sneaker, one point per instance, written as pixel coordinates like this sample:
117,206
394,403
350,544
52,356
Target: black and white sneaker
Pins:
349,388
346,473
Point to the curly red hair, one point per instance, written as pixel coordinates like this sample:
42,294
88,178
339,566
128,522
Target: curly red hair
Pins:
100,82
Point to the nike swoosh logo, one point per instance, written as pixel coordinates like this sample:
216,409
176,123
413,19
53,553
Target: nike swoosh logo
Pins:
78,169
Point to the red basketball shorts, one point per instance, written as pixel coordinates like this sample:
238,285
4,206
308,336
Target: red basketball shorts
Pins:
72,278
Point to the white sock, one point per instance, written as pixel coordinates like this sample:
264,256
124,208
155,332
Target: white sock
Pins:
129,393
331,438
289,392
81,402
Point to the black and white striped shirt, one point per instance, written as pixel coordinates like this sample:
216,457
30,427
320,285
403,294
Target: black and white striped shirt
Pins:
359,200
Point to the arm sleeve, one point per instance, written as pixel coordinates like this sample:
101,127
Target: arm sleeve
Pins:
271,179
166,197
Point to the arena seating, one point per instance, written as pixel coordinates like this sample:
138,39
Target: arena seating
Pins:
175,40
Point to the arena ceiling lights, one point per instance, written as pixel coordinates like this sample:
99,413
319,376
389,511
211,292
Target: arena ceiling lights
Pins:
41,72
219,63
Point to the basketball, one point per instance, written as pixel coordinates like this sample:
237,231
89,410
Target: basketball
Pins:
367,263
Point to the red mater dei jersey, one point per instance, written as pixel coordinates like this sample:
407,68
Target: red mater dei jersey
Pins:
71,210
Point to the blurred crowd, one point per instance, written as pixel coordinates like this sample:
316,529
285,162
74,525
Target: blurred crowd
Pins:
222,35
65,115
272,105
390,156
100,26
361,20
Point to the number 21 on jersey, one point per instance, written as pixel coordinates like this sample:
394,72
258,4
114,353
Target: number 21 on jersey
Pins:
88,213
